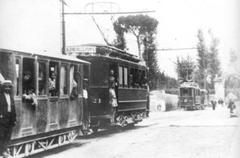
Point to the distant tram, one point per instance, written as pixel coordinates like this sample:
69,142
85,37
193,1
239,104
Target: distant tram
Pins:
191,97
131,90
54,116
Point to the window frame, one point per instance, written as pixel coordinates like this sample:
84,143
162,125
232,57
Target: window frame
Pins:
120,76
34,73
18,83
46,63
57,64
66,65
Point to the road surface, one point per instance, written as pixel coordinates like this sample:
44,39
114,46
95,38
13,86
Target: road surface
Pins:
175,134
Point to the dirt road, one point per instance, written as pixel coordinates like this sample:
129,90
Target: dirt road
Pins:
176,134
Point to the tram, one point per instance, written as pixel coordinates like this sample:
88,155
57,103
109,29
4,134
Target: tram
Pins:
190,96
131,90
56,116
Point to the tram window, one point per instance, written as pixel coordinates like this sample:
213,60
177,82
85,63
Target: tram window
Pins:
131,83
120,76
53,78
144,79
28,76
136,78
42,78
63,80
5,66
17,66
73,81
185,92
125,77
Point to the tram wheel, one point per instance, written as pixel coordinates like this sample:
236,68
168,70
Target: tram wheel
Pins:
95,129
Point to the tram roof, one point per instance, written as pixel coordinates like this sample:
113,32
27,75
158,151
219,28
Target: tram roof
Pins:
189,85
60,56
203,90
100,50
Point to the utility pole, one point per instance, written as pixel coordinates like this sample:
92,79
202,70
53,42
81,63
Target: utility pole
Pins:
63,29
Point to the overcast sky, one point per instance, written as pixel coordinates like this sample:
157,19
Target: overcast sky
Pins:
34,26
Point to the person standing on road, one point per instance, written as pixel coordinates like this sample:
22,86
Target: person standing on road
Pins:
213,104
7,116
231,106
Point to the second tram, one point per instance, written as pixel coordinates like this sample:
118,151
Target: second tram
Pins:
131,85
190,97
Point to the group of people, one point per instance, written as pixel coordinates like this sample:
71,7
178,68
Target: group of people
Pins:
7,115
230,105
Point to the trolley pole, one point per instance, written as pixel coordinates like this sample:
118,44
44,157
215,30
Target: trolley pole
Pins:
63,29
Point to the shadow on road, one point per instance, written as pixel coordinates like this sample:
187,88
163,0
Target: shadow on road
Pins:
113,130
78,143
58,150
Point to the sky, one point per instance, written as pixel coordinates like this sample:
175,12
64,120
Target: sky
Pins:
34,26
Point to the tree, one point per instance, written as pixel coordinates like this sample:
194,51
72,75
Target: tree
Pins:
185,69
139,25
208,62
120,42
214,63
202,59
143,28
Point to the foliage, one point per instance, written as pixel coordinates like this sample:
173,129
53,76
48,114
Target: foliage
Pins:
120,42
140,26
162,81
185,69
208,62
202,59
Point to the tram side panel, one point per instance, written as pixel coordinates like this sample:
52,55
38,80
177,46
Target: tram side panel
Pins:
50,115
132,99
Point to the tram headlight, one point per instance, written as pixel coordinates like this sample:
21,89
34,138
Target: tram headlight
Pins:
96,100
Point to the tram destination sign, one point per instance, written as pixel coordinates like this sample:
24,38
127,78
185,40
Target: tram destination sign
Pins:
81,49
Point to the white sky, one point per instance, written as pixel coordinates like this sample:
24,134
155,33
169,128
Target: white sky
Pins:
34,26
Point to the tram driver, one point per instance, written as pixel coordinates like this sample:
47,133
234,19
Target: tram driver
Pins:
112,95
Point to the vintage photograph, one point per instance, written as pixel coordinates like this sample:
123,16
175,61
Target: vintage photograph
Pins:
119,79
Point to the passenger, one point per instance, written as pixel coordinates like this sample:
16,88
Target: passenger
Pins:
112,79
85,100
7,116
27,80
131,80
30,97
74,93
52,85
113,101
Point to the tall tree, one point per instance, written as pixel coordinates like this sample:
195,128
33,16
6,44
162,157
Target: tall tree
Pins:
202,59
208,62
214,63
139,25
